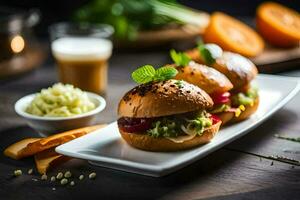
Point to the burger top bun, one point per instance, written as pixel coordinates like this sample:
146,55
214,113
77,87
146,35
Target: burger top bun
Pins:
207,78
238,69
163,98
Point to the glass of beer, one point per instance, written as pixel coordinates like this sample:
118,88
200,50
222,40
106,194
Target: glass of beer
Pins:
82,52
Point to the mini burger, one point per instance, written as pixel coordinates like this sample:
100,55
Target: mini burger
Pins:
239,70
164,114
210,80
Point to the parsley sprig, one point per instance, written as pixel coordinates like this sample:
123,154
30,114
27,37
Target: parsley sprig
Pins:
148,73
179,58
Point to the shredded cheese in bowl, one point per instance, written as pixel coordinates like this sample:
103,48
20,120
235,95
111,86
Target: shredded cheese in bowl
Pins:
60,101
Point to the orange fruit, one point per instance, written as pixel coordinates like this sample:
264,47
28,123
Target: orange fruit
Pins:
233,35
279,25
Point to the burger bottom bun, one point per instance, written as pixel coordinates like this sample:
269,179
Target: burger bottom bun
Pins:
148,143
249,110
225,117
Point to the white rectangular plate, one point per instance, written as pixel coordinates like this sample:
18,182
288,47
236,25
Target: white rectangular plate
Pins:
106,148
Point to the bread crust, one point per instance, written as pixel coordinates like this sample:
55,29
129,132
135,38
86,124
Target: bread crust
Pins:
148,143
237,68
207,78
165,98
249,110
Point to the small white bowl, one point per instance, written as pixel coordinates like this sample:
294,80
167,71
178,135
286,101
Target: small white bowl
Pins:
50,125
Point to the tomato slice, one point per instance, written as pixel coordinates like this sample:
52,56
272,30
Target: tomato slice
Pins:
221,98
215,119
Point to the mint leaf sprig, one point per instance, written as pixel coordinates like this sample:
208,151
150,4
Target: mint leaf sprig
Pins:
179,58
209,52
148,73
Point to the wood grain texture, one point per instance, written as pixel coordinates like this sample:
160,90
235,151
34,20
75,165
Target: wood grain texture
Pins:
273,55
225,174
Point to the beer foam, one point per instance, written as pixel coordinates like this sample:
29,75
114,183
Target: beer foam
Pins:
81,48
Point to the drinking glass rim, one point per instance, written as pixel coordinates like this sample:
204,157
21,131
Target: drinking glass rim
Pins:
98,29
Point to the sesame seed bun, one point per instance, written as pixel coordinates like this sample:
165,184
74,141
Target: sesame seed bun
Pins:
238,69
207,78
164,98
148,143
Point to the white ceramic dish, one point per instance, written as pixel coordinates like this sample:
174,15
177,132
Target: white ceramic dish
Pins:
49,125
105,147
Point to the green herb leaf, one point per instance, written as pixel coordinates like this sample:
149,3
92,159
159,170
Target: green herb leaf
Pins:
148,73
180,59
165,73
143,74
206,54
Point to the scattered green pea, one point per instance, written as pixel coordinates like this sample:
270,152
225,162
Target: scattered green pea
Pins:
44,177
81,177
64,181
30,171
68,174
60,175
72,183
18,172
92,175
52,179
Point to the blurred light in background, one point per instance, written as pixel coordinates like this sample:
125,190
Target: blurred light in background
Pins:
17,44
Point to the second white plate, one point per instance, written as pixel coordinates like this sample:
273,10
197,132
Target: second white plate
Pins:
106,148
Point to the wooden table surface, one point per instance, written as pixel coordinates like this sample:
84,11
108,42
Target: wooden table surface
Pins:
241,170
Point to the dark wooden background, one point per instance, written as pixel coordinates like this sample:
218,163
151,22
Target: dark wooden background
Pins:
238,171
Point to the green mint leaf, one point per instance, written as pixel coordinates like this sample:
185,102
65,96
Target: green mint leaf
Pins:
206,54
148,73
185,60
144,74
180,59
174,56
165,73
